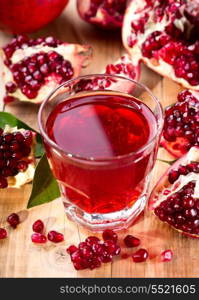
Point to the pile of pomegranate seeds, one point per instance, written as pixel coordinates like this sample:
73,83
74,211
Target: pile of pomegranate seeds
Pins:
39,238
14,150
181,209
92,252
13,220
182,121
3,233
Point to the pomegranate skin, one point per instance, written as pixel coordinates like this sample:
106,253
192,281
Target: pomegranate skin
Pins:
22,16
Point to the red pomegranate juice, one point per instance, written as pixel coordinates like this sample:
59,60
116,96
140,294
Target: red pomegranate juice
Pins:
100,131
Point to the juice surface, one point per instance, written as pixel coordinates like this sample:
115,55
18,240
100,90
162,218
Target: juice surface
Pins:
101,126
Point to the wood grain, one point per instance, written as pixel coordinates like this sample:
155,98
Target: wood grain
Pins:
20,258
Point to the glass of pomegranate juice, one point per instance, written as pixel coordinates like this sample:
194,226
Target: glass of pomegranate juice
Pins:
101,134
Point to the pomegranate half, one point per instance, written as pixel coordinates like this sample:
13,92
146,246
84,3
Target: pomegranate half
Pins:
164,36
175,198
22,16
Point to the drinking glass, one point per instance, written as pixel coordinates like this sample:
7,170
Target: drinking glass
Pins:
107,192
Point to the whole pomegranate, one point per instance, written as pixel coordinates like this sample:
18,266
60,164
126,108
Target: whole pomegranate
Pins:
181,126
161,34
104,13
17,160
34,67
175,198
24,16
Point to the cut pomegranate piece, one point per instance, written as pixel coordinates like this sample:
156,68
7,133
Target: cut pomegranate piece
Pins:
181,127
161,34
3,233
123,67
17,161
38,226
55,237
18,16
174,199
140,256
32,68
166,255
13,220
38,238
104,13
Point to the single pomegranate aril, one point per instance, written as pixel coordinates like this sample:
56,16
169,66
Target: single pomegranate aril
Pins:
38,226
3,233
13,220
71,249
109,234
111,247
38,238
55,237
140,256
10,87
131,241
166,255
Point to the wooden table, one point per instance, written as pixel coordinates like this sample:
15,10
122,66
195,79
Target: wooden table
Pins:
20,258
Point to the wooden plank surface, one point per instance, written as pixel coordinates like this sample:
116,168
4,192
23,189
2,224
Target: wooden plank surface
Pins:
20,258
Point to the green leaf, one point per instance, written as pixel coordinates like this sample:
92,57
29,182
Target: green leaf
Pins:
45,187
9,119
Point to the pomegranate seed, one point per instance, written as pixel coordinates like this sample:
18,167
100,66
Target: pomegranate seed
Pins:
22,166
131,241
10,87
8,99
106,257
98,249
109,235
95,263
55,237
3,233
87,252
124,255
111,247
13,220
166,255
38,226
71,249
38,238
140,256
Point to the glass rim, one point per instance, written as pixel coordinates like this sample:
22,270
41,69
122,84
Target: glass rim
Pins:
103,159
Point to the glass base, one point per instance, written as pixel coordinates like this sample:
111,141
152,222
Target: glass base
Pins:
98,222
